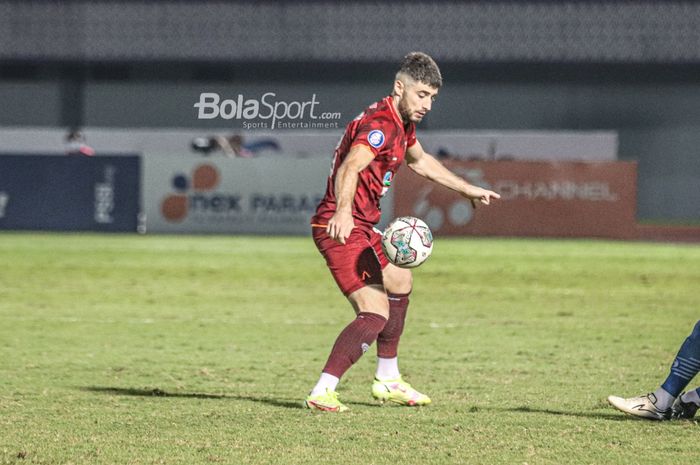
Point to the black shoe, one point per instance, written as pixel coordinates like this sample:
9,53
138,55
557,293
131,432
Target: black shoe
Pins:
683,410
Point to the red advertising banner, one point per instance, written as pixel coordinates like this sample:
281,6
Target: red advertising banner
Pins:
549,199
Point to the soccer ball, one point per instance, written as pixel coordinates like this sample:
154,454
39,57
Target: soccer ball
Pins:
407,242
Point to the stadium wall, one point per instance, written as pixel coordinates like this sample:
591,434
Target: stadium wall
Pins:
185,194
485,31
658,125
563,199
482,145
45,192
179,193
629,66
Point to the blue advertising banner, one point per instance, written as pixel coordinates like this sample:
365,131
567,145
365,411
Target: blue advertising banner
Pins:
63,193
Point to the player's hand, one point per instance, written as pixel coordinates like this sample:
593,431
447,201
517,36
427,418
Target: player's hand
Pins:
480,195
340,226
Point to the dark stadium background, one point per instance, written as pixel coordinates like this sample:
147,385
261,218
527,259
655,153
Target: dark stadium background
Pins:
628,66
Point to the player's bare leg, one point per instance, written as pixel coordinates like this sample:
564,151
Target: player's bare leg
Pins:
372,308
370,299
397,280
388,384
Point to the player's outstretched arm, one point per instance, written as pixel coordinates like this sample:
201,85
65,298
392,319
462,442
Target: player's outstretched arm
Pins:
429,167
340,225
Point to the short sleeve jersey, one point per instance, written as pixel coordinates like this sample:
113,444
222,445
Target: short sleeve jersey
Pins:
382,131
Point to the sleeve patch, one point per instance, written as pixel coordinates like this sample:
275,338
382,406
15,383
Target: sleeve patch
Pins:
376,138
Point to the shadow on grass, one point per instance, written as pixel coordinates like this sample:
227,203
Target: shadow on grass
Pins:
604,416
116,391
297,404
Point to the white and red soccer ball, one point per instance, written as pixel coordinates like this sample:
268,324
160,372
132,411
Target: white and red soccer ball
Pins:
407,242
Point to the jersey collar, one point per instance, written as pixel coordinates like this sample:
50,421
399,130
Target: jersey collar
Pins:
390,103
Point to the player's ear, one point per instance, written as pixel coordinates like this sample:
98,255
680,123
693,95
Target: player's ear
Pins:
399,88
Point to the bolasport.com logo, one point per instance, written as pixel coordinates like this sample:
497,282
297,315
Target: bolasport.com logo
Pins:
267,112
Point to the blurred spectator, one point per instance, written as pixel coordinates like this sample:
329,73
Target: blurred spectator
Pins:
76,144
443,154
232,146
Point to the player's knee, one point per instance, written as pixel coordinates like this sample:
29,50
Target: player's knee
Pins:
370,299
378,307
397,280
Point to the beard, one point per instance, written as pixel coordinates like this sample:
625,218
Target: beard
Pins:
404,112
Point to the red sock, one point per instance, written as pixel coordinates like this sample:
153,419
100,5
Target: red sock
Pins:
354,341
388,339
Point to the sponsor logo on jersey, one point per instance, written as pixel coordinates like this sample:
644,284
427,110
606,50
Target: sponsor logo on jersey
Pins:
387,178
375,138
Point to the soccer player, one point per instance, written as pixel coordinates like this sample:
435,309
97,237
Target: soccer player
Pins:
668,401
370,152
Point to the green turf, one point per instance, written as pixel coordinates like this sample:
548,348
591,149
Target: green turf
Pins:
188,350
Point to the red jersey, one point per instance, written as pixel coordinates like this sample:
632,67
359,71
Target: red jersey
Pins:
381,130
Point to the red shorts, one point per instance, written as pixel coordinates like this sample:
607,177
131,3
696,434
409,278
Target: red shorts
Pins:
356,264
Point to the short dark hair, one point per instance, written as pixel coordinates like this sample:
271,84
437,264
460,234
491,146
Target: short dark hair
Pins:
420,67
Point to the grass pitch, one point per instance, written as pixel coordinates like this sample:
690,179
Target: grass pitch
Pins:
187,350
